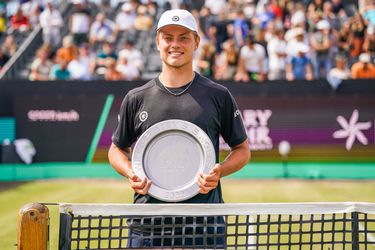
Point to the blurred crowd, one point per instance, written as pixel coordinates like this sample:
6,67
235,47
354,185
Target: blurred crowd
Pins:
241,40
88,51
280,39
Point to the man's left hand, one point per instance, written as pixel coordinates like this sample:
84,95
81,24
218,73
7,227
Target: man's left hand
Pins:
208,182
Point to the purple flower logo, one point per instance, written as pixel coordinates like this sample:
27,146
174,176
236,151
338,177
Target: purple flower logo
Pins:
352,130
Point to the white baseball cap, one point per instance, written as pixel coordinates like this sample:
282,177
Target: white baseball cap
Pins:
323,25
298,17
127,6
78,1
365,58
178,17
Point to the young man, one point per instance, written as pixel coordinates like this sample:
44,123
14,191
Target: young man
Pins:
180,93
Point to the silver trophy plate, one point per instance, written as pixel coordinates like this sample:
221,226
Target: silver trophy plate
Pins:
171,153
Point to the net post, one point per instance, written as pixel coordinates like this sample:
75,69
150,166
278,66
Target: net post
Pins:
64,231
33,227
355,231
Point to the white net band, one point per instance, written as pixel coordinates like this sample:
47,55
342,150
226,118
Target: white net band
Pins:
218,209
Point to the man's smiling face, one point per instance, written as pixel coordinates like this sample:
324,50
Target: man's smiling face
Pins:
176,45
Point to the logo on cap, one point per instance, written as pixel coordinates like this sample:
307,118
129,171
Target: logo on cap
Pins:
175,18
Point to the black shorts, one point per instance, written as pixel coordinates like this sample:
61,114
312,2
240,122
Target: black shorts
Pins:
183,233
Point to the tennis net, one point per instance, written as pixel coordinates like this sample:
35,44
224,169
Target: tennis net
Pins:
218,226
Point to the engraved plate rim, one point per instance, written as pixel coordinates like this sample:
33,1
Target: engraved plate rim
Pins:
186,128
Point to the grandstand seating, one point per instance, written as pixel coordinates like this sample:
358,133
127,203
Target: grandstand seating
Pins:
18,67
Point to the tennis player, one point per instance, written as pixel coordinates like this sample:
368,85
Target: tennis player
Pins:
179,93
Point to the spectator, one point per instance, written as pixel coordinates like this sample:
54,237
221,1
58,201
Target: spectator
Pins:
205,20
272,28
106,7
358,30
206,60
215,6
240,29
333,19
299,67
251,61
318,16
41,66
19,22
68,51
128,70
60,71
322,46
298,15
220,28
363,69
3,5
338,73
132,54
249,8
298,38
135,4
29,5
297,22
51,53
228,60
263,16
79,22
276,48
126,18
32,11
107,51
102,30
197,5
369,43
51,23
344,38
338,8
152,7
341,71
111,73
212,36
3,57
314,7
276,9
143,21
368,12
3,22
9,45
197,18
231,9
261,39
81,68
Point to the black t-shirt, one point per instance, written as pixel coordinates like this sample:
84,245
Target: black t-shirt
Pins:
204,103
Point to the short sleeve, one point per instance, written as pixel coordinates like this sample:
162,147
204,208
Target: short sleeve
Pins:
244,52
262,51
232,128
124,135
35,64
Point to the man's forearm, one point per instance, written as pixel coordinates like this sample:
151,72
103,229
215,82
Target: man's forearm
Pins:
237,159
120,160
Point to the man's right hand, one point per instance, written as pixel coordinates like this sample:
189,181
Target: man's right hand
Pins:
138,185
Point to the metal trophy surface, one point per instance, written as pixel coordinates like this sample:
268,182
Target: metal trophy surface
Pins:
171,153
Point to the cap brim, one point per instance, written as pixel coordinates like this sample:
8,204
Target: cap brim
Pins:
174,24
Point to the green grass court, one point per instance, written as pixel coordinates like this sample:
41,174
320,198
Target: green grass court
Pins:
14,195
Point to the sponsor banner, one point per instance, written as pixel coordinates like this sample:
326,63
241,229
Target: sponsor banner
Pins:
61,127
319,124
